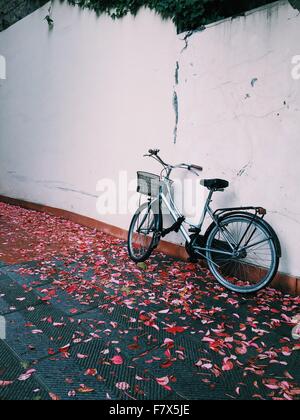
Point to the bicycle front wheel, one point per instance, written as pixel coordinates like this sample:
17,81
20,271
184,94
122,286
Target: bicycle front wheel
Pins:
242,253
142,238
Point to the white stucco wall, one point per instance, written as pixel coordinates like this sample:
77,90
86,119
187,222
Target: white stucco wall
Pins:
87,99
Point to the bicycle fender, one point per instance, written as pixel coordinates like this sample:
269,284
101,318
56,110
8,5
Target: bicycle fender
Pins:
249,216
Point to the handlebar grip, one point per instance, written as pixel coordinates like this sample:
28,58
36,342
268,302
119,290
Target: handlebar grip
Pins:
198,168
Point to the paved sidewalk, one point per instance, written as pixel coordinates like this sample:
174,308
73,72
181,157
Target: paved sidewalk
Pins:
84,322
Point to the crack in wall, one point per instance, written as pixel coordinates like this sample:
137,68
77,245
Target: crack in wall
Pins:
77,192
175,106
189,34
52,185
244,168
284,215
175,94
186,42
175,103
177,73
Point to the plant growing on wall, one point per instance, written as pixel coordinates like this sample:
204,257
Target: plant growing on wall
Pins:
186,14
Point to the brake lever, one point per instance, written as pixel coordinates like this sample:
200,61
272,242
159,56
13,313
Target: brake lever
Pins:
194,172
187,167
190,168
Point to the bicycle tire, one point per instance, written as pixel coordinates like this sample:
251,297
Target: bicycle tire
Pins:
153,242
250,269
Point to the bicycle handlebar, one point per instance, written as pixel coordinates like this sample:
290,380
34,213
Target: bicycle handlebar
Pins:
154,151
190,167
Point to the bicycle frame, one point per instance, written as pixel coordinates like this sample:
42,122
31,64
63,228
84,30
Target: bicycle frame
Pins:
207,210
176,214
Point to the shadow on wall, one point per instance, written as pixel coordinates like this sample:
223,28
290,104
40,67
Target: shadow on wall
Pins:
295,4
13,11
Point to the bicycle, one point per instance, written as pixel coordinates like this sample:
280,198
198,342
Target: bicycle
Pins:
241,249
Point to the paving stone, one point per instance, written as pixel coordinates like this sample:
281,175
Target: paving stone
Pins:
14,297
11,368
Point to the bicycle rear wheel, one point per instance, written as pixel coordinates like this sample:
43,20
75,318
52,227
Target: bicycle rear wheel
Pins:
142,236
242,253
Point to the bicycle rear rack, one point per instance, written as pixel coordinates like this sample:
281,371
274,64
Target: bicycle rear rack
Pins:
259,211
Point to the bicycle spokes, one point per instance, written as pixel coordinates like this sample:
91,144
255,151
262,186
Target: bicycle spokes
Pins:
142,232
252,259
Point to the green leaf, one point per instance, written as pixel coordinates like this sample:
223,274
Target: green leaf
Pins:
25,365
186,14
142,266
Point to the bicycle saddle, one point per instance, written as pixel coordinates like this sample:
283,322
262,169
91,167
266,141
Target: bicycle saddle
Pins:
214,184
